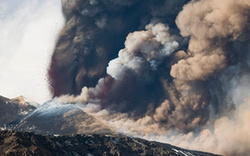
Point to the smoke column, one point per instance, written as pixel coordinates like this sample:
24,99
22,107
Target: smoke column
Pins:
93,35
163,70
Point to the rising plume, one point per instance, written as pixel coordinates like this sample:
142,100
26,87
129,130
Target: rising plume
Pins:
168,70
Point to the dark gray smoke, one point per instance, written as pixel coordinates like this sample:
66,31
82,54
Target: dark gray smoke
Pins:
158,67
94,33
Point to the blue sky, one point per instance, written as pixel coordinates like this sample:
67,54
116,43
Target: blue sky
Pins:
28,32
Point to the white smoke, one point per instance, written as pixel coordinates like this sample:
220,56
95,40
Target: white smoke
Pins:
154,44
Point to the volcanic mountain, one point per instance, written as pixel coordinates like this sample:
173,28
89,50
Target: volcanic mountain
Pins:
42,131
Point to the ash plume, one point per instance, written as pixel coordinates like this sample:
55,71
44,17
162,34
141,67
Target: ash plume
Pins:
162,70
95,31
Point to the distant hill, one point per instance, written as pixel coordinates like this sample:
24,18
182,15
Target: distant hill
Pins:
13,110
58,118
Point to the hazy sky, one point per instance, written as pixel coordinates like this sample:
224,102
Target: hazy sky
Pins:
28,32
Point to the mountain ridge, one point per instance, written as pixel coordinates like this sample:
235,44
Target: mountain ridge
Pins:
65,129
25,143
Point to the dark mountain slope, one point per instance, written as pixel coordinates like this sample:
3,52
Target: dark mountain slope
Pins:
14,143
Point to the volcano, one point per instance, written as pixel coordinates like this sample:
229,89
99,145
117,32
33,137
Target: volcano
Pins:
65,129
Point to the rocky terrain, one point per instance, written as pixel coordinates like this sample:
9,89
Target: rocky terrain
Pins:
14,143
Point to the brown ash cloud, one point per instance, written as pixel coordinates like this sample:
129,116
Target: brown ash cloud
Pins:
155,68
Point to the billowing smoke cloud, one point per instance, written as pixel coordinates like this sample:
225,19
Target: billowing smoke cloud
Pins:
185,83
94,33
211,29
